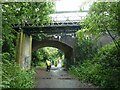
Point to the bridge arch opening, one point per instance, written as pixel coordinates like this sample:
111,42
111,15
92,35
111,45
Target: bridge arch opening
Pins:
55,55
66,49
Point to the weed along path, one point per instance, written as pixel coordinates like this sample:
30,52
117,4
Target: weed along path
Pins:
57,78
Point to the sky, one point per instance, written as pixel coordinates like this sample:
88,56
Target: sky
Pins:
70,5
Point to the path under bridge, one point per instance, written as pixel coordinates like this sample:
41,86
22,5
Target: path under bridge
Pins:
61,35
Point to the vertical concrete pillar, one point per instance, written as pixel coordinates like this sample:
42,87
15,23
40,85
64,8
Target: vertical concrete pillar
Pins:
74,60
65,63
30,51
19,48
68,59
24,47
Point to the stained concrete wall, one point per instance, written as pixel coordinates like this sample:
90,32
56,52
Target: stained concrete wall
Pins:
64,38
24,47
66,43
103,40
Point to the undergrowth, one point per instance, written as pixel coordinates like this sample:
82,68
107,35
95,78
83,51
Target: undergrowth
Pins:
102,70
13,76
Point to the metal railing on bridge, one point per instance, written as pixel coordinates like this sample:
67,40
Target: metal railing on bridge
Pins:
56,27
58,24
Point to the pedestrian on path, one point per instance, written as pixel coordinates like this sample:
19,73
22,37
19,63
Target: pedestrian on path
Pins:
48,64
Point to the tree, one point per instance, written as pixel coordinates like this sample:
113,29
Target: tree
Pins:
103,67
104,17
18,13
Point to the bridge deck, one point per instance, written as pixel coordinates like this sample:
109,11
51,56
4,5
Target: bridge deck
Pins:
57,27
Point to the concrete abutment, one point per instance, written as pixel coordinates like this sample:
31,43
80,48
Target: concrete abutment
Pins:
25,46
23,50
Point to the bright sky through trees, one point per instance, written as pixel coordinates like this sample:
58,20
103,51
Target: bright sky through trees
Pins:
70,5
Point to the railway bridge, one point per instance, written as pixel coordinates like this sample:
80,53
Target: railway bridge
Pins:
60,34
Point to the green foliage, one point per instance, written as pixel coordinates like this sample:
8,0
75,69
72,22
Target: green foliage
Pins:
84,45
41,64
41,55
53,53
0,72
104,17
28,12
19,13
13,76
100,67
102,70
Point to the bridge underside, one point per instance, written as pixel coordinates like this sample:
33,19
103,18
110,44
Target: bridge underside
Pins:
68,51
25,42
25,45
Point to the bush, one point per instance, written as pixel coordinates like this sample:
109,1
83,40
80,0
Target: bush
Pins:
13,76
102,70
85,45
0,73
41,64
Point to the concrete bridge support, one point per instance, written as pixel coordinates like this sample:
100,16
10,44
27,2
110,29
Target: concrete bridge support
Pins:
24,48
68,60
68,50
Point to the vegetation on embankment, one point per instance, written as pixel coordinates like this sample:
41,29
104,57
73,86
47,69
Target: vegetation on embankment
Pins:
18,13
13,76
97,63
102,70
